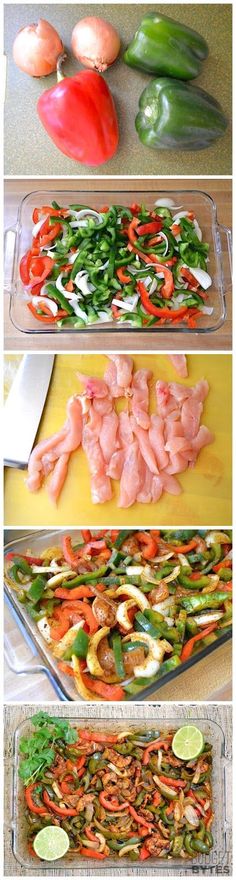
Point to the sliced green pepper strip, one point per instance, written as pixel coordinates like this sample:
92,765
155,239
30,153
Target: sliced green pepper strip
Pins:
117,649
86,578
123,535
79,647
53,293
205,600
36,589
193,585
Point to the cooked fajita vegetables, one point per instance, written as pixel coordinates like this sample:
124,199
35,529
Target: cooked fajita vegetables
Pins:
118,265
114,795
122,609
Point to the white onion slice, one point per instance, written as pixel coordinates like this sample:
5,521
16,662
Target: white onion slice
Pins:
201,276
86,212
167,203
127,305
38,300
78,311
153,287
38,225
81,282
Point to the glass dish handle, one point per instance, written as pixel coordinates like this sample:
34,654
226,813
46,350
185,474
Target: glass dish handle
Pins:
9,250
28,668
225,245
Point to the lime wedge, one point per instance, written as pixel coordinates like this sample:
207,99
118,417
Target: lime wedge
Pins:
188,742
51,843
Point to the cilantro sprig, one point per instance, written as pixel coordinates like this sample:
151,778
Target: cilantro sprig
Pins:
38,750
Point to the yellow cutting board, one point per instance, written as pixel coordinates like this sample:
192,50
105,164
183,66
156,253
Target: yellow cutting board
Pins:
206,496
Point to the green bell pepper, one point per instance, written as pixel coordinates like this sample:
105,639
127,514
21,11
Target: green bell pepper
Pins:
36,589
204,600
79,646
166,47
174,115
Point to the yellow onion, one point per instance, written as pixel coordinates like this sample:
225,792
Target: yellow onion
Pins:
95,43
36,48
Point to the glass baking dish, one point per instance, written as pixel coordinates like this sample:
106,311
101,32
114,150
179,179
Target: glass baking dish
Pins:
19,239
113,720
64,685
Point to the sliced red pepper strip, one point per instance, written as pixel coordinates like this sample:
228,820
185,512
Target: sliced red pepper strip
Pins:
144,853
188,647
226,563
82,592
30,802
65,668
176,783
113,692
148,228
61,811
158,311
112,805
90,835
24,268
49,235
158,744
84,610
151,545
32,560
86,736
184,548
131,230
124,278
92,853
68,552
45,318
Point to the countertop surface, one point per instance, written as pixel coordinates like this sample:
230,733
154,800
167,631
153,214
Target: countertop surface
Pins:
29,150
220,190
222,715
206,495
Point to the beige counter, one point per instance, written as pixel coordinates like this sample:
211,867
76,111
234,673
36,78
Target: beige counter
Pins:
29,150
220,190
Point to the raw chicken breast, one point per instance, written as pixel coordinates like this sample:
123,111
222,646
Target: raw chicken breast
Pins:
156,437
94,387
64,441
140,398
130,477
108,435
124,368
190,416
59,475
115,466
145,446
179,363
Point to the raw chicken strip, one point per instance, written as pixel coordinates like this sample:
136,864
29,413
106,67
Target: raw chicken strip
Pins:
145,446
94,387
145,494
157,488
115,466
124,368
203,438
140,398
166,403
130,477
156,437
58,477
179,392
179,363
201,390
101,489
190,416
125,430
108,435
170,484
102,405
64,441
110,377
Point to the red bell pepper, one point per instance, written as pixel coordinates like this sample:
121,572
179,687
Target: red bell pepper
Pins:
139,819
189,646
151,545
125,279
112,805
157,744
82,592
79,116
176,783
86,736
30,802
148,228
48,318
226,563
92,853
144,853
171,314
61,811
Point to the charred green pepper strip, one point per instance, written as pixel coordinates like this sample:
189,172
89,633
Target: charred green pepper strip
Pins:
205,600
123,535
199,846
225,574
193,585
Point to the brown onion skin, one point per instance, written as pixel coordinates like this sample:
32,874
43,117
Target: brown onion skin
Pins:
95,43
36,48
